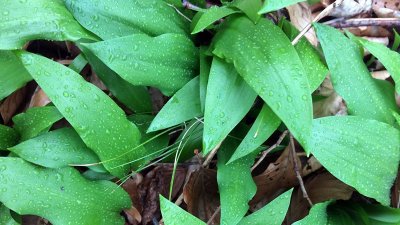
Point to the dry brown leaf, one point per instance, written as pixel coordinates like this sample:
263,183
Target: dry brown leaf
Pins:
300,16
386,8
39,98
94,79
12,103
369,31
350,8
381,75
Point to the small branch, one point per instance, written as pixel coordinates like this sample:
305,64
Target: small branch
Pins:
385,22
190,6
180,13
214,215
296,170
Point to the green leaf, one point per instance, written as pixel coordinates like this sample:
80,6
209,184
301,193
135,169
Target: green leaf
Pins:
315,67
166,62
205,66
117,18
62,196
23,21
78,64
100,123
226,90
5,216
265,125
382,214
273,5
235,183
210,16
183,106
136,98
8,137
12,75
274,212
36,121
174,215
364,95
265,58
318,215
249,7
56,149
367,148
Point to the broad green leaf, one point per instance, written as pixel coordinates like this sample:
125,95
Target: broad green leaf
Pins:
337,216
116,18
364,95
210,16
235,184
184,105
135,98
56,149
249,7
166,62
12,75
367,148
62,196
174,215
315,67
205,66
274,212
100,123
390,59
35,121
8,137
265,125
5,216
379,214
226,91
25,20
273,5
265,58
317,216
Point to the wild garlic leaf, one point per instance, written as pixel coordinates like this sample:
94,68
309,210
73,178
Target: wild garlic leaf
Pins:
184,105
12,74
205,66
5,216
174,215
248,7
56,149
117,18
226,90
8,137
211,15
368,148
318,215
36,121
274,5
62,196
98,120
23,21
267,61
166,62
364,95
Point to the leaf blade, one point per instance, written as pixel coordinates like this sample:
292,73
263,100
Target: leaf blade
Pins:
173,214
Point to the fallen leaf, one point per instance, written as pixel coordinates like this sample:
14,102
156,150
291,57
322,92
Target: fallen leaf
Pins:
12,103
386,8
39,98
300,17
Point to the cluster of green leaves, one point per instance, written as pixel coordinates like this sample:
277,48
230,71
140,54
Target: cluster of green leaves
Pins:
133,45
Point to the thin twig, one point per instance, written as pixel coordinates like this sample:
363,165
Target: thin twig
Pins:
190,6
385,22
180,13
265,153
296,170
321,15
214,215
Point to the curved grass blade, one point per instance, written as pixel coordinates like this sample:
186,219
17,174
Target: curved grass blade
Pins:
166,62
100,123
225,91
267,61
117,18
183,106
174,215
367,148
36,121
62,196
56,149
274,5
23,21
8,137
211,15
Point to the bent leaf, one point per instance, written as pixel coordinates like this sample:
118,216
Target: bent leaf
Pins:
117,18
273,5
62,196
5,216
211,15
56,149
8,137
109,134
23,21
174,215
364,95
166,62
267,61
249,7
318,215
225,91
183,106
367,148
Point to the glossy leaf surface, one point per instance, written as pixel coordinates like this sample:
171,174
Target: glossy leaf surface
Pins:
318,215
210,16
174,215
8,137
274,5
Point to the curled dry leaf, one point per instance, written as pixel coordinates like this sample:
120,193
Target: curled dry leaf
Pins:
11,104
350,8
131,186
386,8
300,16
332,105
39,98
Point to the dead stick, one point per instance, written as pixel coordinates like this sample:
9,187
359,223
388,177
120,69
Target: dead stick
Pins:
385,22
214,215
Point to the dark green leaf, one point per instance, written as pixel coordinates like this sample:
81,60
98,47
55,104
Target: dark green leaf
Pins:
78,63
362,153
174,215
382,214
265,58
316,216
183,106
205,66
364,95
56,149
167,62
274,5
93,175
100,123
116,18
210,16
36,121
8,137
5,216
226,91
249,7
62,196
